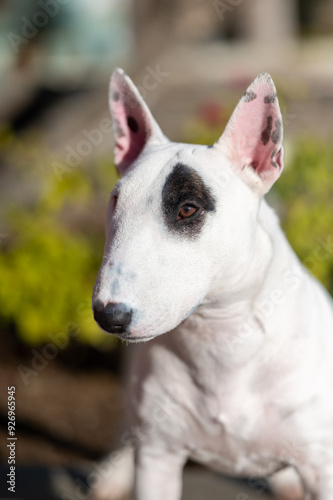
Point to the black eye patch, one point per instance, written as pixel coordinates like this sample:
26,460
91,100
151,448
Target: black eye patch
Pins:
185,186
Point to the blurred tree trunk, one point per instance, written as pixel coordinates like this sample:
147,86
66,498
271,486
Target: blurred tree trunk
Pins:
153,24
268,21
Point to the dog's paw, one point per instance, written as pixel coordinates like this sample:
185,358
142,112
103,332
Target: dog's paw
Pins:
115,477
109,491
286,485
290,495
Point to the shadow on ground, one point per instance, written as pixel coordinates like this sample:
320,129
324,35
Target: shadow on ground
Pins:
45,483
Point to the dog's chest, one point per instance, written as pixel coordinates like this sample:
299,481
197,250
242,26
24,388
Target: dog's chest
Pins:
232,434
233,411
217,417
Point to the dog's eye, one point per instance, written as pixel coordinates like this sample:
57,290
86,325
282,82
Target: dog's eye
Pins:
186,211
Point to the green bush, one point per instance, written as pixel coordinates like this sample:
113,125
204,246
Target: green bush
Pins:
49,262
304,194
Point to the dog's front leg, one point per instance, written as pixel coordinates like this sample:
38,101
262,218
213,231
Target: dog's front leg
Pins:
158,474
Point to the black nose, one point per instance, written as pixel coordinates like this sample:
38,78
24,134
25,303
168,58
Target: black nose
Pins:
113,318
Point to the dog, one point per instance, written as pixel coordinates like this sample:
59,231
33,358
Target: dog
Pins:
233,363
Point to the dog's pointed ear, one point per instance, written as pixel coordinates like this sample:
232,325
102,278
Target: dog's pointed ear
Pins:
133,123
253,136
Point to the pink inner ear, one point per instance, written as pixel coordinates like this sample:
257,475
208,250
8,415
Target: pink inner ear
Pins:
129,122
133,123
254,132
130,131
259,134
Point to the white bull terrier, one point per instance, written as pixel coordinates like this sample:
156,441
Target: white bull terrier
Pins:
238,370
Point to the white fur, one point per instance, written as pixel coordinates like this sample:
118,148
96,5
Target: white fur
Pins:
244,384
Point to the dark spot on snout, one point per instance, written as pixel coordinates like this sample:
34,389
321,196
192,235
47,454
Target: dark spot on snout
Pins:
115,287
266,133
132,124
115,96
249,96
276,135
185,186
269,99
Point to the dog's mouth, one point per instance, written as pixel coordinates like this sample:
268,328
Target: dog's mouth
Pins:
125,334
132,339
135,340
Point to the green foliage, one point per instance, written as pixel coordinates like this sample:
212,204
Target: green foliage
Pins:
305,200
50,260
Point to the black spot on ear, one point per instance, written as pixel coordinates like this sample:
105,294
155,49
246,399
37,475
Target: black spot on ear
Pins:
268,99
115,96
276,135
185,186
132,124
249,96
266,134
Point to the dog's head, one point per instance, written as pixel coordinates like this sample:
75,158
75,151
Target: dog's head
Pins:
182,221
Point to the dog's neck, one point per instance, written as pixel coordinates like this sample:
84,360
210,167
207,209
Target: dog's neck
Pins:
230,318
247,277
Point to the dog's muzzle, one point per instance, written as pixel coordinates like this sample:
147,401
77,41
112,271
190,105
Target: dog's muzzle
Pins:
113,318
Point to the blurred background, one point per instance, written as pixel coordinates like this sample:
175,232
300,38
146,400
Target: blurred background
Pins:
192,60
